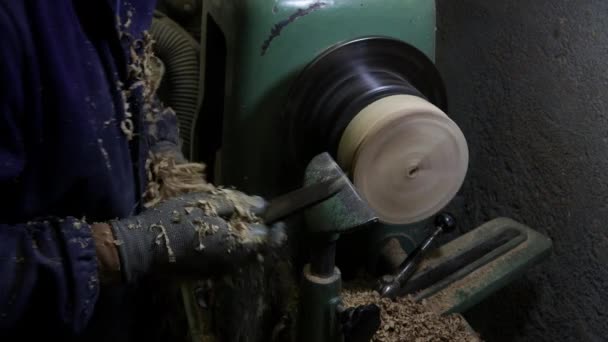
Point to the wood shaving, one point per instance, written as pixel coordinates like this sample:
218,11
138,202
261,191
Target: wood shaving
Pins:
104,153
406,320
203,229
239,202
145,72
448,297
176,217
207,208
126,126
128,22
167,178
163,236
238,225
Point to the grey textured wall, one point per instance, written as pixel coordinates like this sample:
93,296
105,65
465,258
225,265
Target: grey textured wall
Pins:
528,83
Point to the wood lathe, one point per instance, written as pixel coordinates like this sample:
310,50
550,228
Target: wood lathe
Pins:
282,82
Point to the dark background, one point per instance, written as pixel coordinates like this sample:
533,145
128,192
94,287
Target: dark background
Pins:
528,84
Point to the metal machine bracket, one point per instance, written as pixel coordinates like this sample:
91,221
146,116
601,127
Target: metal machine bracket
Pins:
463,272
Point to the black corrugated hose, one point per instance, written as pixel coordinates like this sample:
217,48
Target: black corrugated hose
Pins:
179,89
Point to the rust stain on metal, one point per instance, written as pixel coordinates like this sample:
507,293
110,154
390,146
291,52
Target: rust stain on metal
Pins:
276,30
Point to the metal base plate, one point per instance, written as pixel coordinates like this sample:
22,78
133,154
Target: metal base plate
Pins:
463,272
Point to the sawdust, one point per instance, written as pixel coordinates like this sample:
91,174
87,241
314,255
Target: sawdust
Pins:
241,207
207,207
105,154
167,179
203,229
142,66
164,237
446,298
136,74
145,72
77,224
126,126
472,282
407,320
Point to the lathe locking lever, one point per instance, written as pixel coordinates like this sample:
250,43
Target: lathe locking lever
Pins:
390,288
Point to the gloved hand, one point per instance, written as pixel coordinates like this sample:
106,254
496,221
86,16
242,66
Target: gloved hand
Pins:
196,234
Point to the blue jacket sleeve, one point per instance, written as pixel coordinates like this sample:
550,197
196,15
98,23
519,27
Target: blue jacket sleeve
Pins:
162,131
48,268
49,273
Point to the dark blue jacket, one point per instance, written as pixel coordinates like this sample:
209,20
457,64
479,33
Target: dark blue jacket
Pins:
64,160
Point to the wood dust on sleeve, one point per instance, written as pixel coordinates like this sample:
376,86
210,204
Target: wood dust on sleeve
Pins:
409,321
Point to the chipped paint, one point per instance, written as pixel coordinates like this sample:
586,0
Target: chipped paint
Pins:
276,30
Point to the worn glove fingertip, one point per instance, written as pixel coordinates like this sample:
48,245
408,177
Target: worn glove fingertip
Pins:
278,234
257,204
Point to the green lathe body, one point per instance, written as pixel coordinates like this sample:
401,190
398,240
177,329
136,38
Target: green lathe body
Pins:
265,45
268,44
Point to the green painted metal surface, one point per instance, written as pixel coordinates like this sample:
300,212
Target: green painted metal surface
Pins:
341,213
491,272
318,314
269,42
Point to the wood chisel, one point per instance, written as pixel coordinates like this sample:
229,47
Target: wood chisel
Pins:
295,201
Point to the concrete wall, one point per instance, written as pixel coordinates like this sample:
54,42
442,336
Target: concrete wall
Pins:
528,83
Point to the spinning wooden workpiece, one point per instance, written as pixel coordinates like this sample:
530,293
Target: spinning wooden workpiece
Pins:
406,157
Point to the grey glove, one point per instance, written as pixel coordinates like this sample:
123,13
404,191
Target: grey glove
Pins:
195,234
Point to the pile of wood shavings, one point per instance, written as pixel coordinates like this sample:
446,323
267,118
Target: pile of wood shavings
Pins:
408,321
145,72
141,76
242,218
167,179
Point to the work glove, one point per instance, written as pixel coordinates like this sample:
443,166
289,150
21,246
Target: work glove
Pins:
199,234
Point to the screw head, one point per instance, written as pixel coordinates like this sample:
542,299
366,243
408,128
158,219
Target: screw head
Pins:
445,221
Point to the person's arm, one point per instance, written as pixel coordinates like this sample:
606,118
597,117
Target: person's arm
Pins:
51,260
163,131
50,266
